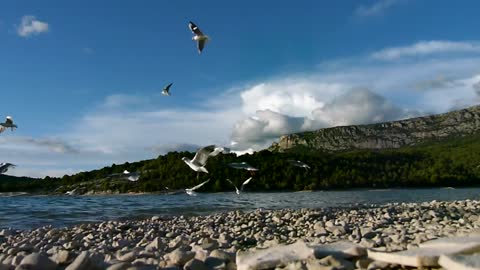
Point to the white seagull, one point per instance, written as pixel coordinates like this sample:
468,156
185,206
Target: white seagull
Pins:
198,36
130,176
243,185
200,160
5,166
298,163
242,166
191,191
166,90
8,124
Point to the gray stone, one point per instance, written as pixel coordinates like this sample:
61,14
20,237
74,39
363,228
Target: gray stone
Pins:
62,257
195,264
460,262
119,266
180,257
83,262
337,262
36,261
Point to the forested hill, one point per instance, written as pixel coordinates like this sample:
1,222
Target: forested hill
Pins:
388,135
450,162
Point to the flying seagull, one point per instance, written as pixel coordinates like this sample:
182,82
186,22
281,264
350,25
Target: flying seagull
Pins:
200,160
242,166
130,176
198,36
243,185
298,163
166,90
8,124
5,166
191,191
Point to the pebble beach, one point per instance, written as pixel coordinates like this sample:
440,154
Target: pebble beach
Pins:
220,241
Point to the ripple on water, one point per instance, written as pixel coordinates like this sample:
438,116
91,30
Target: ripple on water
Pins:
26,212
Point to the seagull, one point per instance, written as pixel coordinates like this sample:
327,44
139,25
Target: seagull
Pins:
166,90
241,188
200,160
5,166
130,176
8,124
298,163
198,36
242,166
191,192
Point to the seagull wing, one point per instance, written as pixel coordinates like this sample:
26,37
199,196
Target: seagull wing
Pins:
200,45
246,182
202,155
236,189
197,186
167,88
195,29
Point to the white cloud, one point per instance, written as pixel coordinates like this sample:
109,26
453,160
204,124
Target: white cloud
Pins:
30,26
423,48
376,9
355,106
359,91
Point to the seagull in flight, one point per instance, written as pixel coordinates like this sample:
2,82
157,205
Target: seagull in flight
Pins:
198,36
243,185
8,124
130,176
191,191
298,163
5,166
200,159
242,166
166,90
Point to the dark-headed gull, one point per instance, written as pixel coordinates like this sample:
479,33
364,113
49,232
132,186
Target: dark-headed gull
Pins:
5,166
8,124
198,36
191,191
298,163
243,185
166,90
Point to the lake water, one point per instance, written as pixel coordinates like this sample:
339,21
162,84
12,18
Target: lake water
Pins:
27,212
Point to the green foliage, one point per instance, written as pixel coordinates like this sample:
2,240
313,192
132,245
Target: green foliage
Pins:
453,162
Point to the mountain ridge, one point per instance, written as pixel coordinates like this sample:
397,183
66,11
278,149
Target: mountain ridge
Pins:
386,135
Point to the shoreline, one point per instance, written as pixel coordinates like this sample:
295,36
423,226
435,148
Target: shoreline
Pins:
154,242
181,191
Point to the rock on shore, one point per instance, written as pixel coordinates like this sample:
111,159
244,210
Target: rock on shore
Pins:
280,239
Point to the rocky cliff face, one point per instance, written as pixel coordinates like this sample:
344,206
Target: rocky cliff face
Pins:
386,135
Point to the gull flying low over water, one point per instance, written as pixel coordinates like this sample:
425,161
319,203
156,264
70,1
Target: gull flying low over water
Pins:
198,36
200,160
8,124
243,185
191,191
298,163
166,90
5,166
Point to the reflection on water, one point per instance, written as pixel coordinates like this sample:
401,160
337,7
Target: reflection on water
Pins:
26,212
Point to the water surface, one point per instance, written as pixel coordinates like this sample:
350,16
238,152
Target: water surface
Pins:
27,212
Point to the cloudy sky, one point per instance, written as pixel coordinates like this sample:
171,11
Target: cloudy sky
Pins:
82,79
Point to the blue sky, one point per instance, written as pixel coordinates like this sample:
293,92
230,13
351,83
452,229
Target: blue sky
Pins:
83,79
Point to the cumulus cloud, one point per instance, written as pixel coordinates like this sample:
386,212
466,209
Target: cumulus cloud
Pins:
476,88
423,48
438,82
355,106
376,9
30,26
